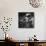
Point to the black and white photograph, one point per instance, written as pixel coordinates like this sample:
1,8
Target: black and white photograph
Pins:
26,19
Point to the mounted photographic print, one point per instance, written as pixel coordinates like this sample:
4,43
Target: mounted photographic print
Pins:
26,19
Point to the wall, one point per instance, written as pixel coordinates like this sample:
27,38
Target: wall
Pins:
10,8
